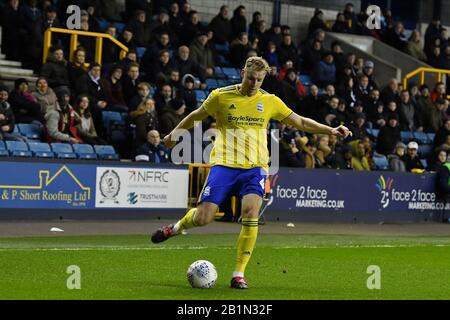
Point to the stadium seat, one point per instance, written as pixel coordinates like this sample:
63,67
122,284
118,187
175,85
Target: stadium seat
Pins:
375,132
200,95
231,73
218,73
41,150
18,149
63,151
222,83
103,24
431,136
424,163
3,151
140,51
305,79
406,136
111,116
422,137
381,162
106,152
211,83
425,150
31,131
222,48
119,27
84,151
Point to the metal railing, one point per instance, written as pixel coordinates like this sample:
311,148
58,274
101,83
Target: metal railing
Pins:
421,73
74,42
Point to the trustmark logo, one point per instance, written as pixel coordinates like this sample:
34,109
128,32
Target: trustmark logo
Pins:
385,186
132,198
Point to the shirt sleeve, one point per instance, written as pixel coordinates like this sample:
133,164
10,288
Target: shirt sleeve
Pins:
211,104
280,110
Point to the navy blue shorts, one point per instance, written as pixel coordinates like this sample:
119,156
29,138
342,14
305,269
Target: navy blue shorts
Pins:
224,182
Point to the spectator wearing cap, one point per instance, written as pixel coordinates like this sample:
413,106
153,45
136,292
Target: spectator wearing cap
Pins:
24,106
202,54
153,149
45,96
325,71
171,116
140,28
395,159
55,70
388,136
187,93
113,90
60,123
7,120
414,48
411,158
434,117
368,71
410,119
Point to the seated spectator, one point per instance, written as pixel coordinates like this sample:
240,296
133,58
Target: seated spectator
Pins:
395,36
130,58
7,120
24,106
423,100
311,105
61,123
130,82
76,69
190,28
238,22
395,159
153,50
186,65
347,90
368,70
358,127
288,90
145,118
202,54
316,22
239,48
221,26
344,116
323,150
340,25
408,112
360,161
433,118
442,134
127,39
388,136
287,50
411,158
290,155
159,72
436,59
330,113
163,97
363,89
187,93
143,92
439,158
392,109
113,90
270,83
45,96
140,28
171,116
85,127
438,91
325,71
153,149
390,92
414,48
55,70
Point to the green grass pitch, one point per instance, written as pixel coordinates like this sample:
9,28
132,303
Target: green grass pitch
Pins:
282,267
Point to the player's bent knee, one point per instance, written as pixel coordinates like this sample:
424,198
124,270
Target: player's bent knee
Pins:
205,214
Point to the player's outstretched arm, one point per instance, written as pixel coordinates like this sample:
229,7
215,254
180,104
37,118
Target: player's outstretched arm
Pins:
187,123
311,126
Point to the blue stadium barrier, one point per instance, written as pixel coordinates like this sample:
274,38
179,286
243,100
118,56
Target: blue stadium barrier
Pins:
41,150
106,152
18,149
85,151
63,151
31,131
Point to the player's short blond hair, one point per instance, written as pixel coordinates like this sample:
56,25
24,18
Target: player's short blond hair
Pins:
256,64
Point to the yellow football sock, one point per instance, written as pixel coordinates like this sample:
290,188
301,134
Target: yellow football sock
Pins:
246,243
187,221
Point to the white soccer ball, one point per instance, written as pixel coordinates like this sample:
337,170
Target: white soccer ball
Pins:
202,274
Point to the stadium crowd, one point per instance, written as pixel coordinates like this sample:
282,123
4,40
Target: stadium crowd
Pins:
156,89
